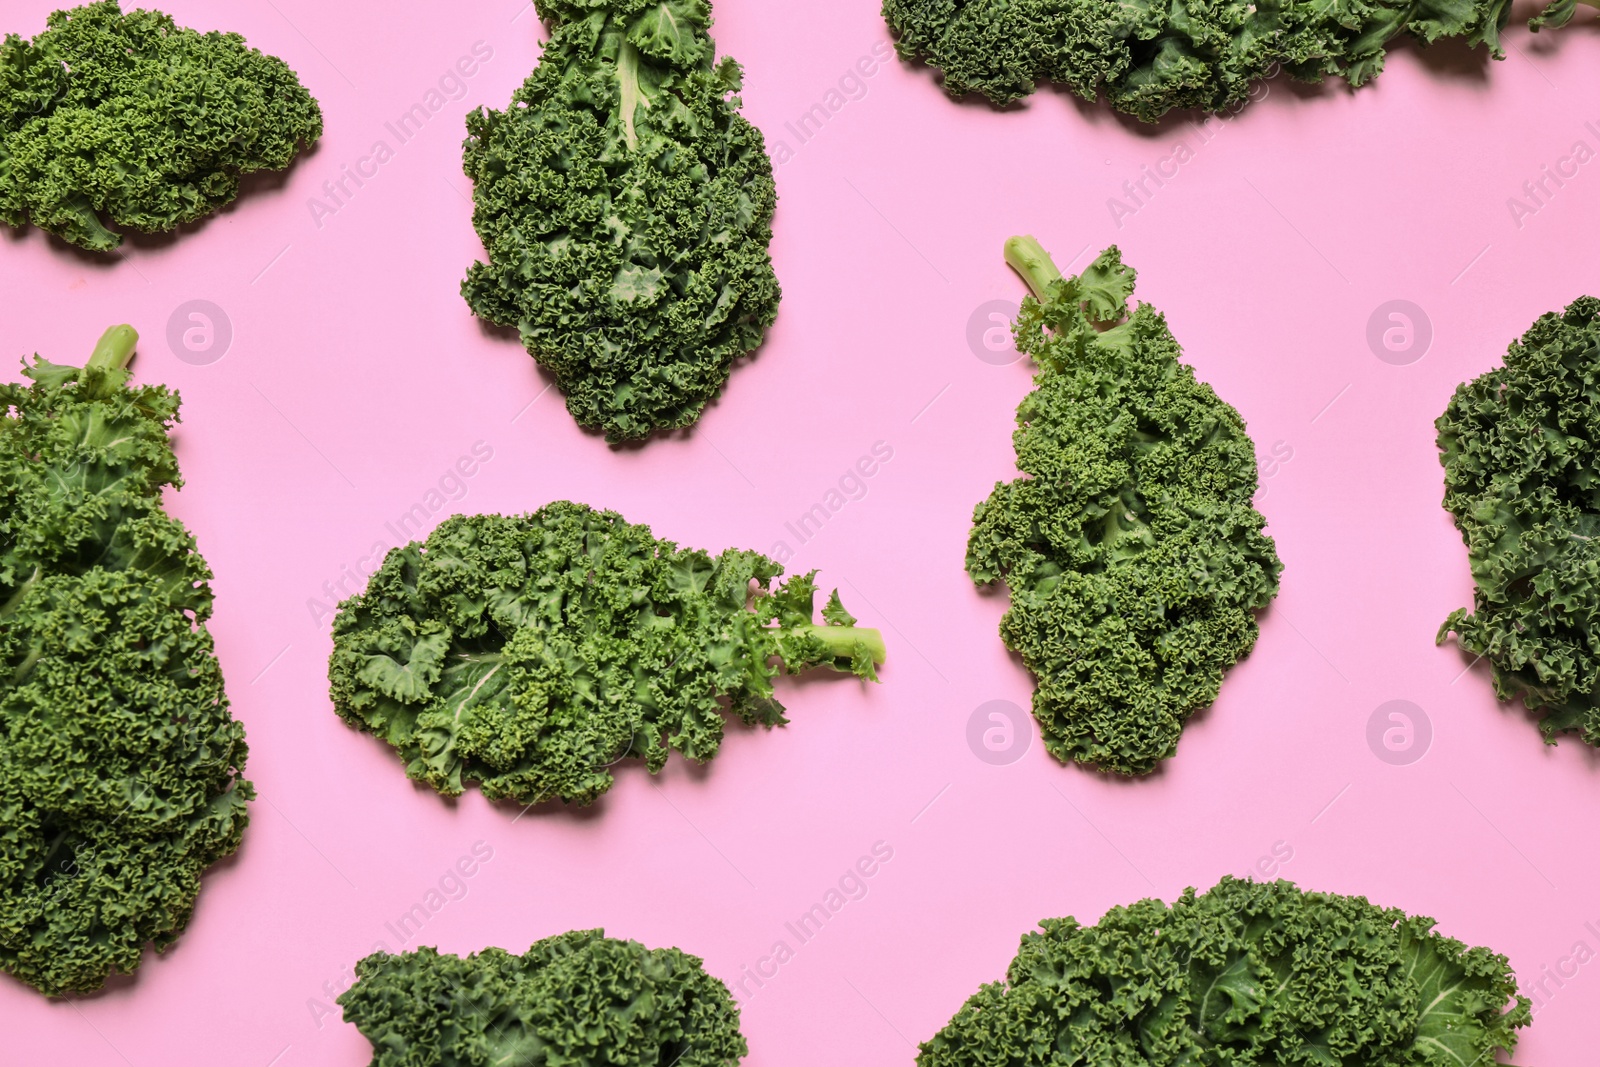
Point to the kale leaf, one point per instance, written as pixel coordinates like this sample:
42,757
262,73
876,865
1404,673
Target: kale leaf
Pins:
530,654
129,120
578,998
1135,560
120,766
626,208
1147,57
1518,446
1245,974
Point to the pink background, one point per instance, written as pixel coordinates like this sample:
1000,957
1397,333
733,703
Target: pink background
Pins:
356,377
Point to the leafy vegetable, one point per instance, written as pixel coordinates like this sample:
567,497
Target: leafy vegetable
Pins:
1147,57
627,209
1521,469
580,998
133,121
1246,974
1558,13
120,766
532,653
1135,560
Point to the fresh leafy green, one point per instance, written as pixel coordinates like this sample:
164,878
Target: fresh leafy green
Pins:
626,208
129,120
1558,13
1521,467
120,766
1146,57
1245,975
1135,560
578,999
530,654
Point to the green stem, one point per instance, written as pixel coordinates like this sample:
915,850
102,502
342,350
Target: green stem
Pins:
842,640
14,599
1029,259
115,348
632,95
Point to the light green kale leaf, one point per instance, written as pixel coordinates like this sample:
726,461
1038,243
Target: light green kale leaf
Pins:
1245,975
1135,559
121,769
626,209
1148,57
1522,478
530,654
578,998
129,120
